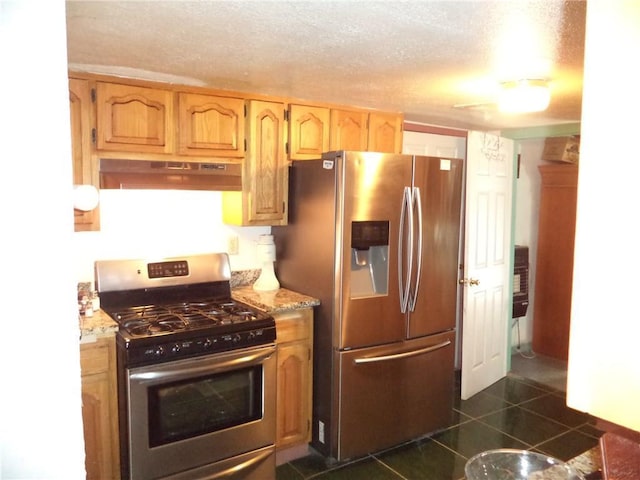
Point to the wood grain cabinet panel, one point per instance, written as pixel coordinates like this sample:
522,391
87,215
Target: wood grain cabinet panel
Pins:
308,131
134,119
385,133
80,107
210,125
100,410
554,260
265,173
348,130
294,373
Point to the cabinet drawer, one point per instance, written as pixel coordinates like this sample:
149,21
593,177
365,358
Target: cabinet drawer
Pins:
294,325
94,358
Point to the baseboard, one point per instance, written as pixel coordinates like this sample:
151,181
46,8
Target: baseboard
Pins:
288,454
524,348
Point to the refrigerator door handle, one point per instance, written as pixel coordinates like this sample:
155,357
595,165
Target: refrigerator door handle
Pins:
414,291
406,211
397,356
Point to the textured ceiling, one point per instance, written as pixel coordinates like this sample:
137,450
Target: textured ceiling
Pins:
438,62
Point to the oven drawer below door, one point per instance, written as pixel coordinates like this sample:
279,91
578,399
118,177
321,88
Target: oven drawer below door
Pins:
256,465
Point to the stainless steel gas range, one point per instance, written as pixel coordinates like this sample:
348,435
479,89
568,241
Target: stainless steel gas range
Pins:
196,370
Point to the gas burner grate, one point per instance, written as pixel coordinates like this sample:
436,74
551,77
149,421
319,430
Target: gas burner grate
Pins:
151,320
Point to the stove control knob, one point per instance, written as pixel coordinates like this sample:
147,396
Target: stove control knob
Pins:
251,335
175,348
207,344
159,351
237,338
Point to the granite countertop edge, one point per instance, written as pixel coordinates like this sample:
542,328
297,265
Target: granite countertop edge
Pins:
274,301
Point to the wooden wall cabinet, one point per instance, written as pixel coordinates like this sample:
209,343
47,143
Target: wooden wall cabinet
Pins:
294,377
132,118
265,173
366,131
210,125
348,130
100,409
308,131
385,132
84,173
554,260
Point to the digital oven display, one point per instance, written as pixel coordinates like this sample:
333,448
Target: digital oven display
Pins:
178,268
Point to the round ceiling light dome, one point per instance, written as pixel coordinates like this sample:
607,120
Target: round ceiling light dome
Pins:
524,96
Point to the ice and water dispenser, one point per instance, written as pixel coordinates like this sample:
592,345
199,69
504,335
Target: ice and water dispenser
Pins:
369,258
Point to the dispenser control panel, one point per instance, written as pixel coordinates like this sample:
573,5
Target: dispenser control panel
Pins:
369,234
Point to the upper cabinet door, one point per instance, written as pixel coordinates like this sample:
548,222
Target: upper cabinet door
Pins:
265,171
308,132
210,125
134,119
348,130
385,133
83,173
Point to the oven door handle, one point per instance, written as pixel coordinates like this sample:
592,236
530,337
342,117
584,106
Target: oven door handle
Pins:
233,471
219,365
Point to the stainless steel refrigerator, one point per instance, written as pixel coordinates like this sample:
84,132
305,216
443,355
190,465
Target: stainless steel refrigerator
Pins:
376,238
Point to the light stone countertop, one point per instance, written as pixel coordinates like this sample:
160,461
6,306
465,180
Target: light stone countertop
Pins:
275,301
98,325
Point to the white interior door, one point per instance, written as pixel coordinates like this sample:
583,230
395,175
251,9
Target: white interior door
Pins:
487,261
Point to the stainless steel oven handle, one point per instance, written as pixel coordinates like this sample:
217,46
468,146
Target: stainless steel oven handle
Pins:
240,467
209,367
396,356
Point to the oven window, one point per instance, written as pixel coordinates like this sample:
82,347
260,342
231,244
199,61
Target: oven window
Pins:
202,405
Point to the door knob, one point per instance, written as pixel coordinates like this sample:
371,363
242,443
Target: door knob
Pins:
469,281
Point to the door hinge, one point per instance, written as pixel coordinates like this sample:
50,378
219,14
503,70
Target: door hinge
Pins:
93,95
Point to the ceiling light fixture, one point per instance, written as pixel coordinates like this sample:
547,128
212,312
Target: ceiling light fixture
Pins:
524,96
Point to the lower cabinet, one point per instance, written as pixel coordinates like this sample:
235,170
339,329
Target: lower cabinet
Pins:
99,409
294,349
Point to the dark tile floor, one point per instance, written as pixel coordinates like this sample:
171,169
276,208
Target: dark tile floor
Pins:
515,412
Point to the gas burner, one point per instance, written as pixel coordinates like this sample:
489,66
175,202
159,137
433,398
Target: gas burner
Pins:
149,320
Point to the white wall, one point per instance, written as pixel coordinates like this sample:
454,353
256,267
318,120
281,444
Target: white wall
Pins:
526,227
604,373
40,401
162,223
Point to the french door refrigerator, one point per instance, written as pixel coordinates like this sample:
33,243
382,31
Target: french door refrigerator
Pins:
375,237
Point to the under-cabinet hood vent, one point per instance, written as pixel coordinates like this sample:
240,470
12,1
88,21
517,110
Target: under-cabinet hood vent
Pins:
168,175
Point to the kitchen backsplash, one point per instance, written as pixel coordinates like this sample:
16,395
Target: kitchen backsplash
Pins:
158,224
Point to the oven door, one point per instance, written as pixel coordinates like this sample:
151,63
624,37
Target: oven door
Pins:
192,413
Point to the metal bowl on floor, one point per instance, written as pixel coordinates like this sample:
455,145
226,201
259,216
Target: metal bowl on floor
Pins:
509,464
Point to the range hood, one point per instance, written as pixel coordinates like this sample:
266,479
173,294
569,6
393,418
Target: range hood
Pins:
169,175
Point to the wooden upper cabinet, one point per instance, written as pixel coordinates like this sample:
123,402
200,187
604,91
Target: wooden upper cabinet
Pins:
308,131
263,199
134,119
83,173
385,133
348,130
210,125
